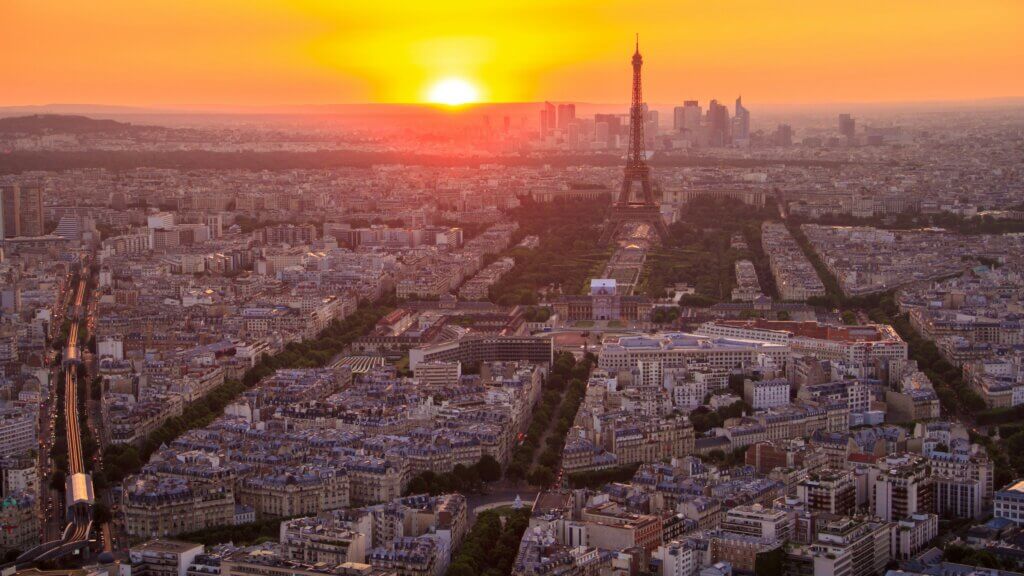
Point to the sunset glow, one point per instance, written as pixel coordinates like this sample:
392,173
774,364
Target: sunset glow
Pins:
453,92
232,53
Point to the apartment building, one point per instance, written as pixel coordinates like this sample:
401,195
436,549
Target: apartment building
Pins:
901,485
164,506
758,521
764,394
295,492
828,490
19,430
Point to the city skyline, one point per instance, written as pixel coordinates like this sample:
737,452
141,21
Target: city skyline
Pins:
239,56
318,288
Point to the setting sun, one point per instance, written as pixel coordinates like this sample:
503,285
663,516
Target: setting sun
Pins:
453,92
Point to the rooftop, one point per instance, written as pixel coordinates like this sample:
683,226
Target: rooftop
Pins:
165,545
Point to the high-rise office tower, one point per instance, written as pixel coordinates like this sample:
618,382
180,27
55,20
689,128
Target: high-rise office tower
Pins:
650,128
32,210
118,200
686,118
718,124
22,210
566,115
548,120
678,117
692,114
9,202
572,135
741,122
613,123
847,126
784,135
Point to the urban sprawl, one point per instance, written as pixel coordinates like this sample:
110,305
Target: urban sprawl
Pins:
803,354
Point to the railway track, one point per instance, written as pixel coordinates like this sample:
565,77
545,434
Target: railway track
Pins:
76,533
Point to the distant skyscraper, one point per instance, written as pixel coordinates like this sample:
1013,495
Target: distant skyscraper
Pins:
118,200
22,208
678,118
650,127
566,115
784,135
689,123
9,210
548,120
741,122
613,123
686,118
718,124
572,135
32,210
847,126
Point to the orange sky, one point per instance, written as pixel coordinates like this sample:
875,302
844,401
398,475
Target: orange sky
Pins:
227,53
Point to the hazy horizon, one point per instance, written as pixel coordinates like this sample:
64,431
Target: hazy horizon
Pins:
81,108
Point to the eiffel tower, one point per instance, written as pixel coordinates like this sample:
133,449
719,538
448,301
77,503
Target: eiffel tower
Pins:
643,210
